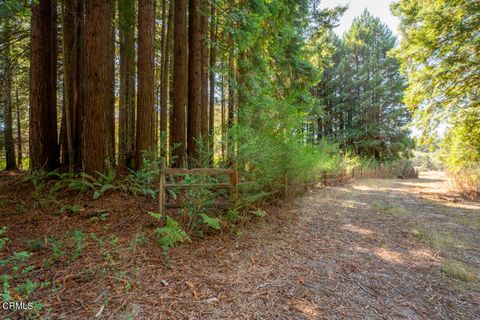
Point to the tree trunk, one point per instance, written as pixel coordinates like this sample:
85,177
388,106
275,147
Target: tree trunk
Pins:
98,143
167,16
19,132
146,79
223,115
231,107
194,129
44,149
126,130
7,111
178,140
72,31
204,44
211,112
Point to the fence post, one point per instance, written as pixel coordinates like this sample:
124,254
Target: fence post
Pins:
234,182
353,173
161,192
325,178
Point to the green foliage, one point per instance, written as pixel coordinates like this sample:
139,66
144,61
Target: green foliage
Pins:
79,238
105,183
83,182
438,53
360,96
73,208
13,268
56,247
275,163
260,213
26,288
103,216
439,39
170,234
3,239
232,216
144,180
139,240
15,7
213,223
37,178
426,160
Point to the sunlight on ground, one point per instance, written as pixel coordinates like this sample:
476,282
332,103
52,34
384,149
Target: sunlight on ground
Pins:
351,204
307,308
388,255
358,230
423,254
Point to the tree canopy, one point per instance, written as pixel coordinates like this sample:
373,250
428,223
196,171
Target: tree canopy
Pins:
440,53
361,93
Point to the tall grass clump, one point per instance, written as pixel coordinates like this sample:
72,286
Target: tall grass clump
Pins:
467,181
394,168
460,153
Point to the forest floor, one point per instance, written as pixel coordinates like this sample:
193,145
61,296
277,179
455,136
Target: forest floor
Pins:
374,249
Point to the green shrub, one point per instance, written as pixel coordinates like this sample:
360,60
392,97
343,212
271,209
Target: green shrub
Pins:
274,163
170,234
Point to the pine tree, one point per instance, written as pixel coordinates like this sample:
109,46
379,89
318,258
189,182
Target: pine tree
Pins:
361,93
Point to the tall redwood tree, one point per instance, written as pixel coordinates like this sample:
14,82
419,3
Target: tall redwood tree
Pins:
194,129
146,79
98,143
178,137
44,149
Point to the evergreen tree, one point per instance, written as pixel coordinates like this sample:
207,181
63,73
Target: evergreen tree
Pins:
44,149
361,93
98,143
145,136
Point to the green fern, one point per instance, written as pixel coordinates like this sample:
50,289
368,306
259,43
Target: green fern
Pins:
260,213
232,215
3,240
155,215
104,188
213,223
170,234
81,185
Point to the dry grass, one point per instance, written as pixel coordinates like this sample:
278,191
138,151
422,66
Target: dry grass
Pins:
467,182
442,241
456,270
389,208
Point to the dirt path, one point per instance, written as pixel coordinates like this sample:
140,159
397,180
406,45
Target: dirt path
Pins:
378,249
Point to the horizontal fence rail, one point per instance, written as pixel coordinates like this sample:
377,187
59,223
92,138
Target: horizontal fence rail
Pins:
172,172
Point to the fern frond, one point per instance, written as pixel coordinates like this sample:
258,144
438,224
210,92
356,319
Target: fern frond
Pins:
213,223
170,234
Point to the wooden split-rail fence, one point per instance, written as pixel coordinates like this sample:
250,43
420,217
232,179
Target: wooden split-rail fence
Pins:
164,186
233,184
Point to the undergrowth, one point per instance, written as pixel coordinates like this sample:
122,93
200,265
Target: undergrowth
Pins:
395,168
